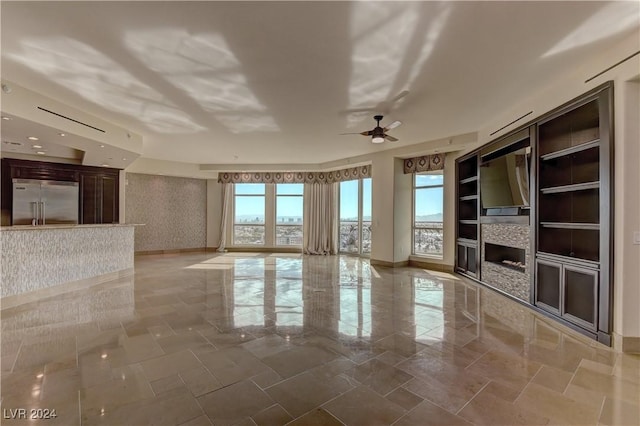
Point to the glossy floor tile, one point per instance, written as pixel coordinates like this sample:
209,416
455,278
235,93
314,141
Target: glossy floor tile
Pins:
269,339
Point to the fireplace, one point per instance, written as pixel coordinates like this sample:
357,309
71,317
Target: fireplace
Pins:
509,257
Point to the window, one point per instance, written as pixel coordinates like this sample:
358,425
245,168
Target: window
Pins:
289,214
428,200
249,208
355,216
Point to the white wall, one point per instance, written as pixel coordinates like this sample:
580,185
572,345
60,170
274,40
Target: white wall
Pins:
627,210
402,211
382,211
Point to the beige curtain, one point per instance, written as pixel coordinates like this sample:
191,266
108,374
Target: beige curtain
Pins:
227,200
321,219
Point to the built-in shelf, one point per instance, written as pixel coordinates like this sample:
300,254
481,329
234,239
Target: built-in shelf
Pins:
567,225
468,180
467,241
572,150
567,259
467,213
571,188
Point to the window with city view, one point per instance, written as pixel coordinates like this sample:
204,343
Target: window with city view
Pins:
428,200
355,216
289,199
249,208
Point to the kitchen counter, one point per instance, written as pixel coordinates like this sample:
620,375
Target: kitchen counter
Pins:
41,227
38,261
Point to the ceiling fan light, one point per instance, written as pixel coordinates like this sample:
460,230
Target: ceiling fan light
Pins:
377,139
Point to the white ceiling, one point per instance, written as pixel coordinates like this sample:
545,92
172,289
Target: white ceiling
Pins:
274,82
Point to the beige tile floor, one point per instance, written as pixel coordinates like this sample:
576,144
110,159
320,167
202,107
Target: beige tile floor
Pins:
268,339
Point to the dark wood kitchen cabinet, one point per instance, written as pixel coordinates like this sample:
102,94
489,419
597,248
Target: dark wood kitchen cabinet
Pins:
99,187
98,197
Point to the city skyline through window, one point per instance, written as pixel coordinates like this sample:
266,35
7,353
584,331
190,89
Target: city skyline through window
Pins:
355,216
249,214
428,209
289,212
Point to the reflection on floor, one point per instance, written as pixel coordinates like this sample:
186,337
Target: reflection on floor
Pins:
250,339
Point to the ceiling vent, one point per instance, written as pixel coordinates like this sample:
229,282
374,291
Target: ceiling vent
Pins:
71,119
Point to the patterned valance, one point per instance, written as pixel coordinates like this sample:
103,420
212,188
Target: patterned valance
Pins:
296,177
426,163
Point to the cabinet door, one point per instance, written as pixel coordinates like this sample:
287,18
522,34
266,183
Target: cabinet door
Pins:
548,278
467,261
89,189
461,262
472,261
580,286
109,200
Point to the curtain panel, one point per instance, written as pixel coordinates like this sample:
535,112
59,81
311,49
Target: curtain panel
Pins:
227,202
320,221
426,163
296,177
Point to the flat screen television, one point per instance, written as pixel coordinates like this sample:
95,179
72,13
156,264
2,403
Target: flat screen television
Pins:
504,181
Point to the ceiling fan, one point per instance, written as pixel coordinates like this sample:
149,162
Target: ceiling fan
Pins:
379,134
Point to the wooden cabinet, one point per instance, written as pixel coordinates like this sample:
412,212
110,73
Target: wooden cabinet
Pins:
568,291
574,201
467,216
571,202
98,197
99,187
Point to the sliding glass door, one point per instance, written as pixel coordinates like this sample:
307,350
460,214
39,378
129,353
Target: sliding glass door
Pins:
355,216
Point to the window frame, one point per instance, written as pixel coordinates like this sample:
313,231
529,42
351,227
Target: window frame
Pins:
275,215
360,220
416,187
234,224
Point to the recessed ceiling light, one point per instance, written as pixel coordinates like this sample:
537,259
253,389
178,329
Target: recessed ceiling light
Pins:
37,146
101,146
105,165
33,138
40,152
124,159
4,117
62,134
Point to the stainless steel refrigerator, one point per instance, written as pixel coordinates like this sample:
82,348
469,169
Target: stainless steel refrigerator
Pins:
44,202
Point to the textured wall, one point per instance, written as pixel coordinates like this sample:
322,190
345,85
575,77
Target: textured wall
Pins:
37,258
174,211
515,283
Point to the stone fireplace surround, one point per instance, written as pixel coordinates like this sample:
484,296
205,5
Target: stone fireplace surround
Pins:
509,278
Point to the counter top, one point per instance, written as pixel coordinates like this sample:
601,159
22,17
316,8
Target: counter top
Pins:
46,227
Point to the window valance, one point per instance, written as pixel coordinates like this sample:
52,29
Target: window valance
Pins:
425,163
296,177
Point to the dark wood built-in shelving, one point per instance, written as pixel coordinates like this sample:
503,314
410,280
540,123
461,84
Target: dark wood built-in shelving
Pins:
574,198
570,188
572,150
468,213
569,211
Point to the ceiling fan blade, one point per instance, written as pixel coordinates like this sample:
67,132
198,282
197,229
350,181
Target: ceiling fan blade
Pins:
400,96
369,133
390,138
353,133
393,125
